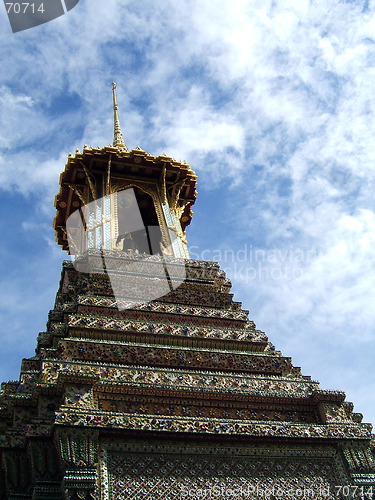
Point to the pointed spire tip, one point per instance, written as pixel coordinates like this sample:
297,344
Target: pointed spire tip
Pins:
118,140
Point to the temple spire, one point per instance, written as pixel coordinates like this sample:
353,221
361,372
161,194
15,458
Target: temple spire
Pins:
118,140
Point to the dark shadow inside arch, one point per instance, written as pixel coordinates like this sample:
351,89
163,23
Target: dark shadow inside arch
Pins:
148,239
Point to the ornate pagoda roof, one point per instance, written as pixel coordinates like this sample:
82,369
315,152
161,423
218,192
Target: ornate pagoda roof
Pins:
116,161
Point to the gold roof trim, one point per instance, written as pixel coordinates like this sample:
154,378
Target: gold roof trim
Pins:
136,164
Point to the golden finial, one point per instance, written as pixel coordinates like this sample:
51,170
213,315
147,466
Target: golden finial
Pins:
118,140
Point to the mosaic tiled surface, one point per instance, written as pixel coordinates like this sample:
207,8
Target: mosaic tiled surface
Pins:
179,370
168,476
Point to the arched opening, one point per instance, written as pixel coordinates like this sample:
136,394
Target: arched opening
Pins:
137,222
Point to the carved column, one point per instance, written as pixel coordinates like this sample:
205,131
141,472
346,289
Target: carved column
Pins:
46,469
79,453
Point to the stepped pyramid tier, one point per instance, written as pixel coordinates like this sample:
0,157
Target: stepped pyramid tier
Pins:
184,379
177,396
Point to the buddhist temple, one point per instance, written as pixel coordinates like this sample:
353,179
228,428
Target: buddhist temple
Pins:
150,381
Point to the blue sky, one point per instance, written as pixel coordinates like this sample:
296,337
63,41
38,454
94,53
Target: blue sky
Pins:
271,103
